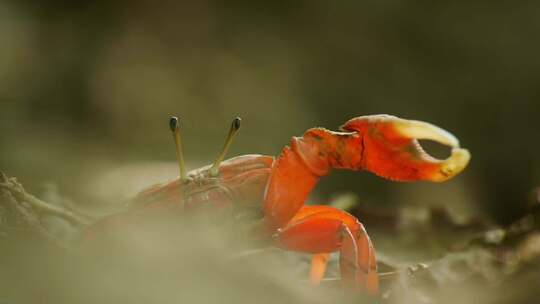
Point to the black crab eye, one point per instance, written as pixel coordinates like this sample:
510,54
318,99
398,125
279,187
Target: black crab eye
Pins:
236,123
174,123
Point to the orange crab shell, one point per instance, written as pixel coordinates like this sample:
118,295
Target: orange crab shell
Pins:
241,180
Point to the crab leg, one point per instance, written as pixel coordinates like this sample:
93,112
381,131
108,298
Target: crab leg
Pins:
318,267
323,229
357,260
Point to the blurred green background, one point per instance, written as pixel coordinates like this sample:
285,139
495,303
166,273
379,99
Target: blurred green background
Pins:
86,89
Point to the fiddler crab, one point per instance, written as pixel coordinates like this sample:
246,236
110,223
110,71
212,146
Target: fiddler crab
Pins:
382,144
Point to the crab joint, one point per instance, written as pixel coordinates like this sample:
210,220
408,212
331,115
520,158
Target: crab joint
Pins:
174,125
235,126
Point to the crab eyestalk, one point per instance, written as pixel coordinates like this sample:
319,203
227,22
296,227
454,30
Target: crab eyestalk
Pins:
391,149
235,126
174,125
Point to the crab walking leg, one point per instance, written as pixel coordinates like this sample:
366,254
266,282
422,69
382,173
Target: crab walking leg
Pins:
318,268
324,229
357,260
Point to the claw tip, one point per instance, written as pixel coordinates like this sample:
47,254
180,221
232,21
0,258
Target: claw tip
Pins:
458,160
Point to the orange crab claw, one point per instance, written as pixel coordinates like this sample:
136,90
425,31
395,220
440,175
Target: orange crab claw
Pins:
391,149
383,144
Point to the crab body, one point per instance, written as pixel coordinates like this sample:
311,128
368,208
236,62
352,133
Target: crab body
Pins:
241,181
278,187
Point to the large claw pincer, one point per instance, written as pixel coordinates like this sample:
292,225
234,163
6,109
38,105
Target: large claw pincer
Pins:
391,149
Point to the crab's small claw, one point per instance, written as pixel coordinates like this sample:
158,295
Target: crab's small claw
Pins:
391,149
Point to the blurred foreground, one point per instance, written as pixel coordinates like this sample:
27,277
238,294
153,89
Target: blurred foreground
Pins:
217,259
